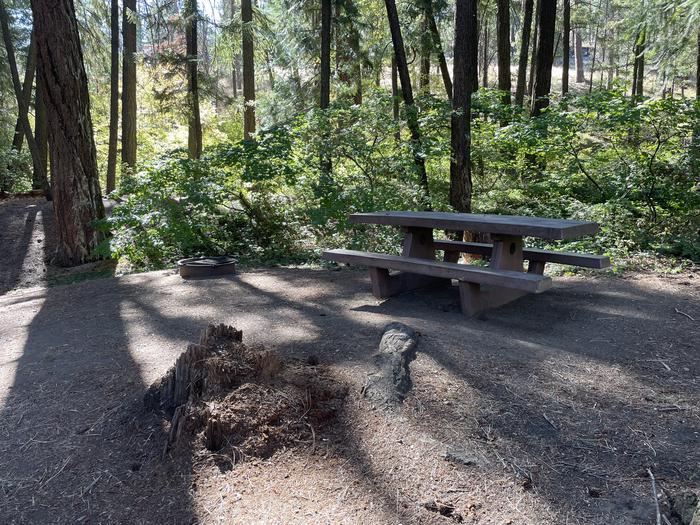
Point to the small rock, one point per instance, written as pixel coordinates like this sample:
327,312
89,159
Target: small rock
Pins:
460,456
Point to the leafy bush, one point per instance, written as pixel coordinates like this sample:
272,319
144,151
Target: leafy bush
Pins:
601,157
15,171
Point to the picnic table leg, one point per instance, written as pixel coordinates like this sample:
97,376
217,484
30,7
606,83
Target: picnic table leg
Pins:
507,254
418,242
536,267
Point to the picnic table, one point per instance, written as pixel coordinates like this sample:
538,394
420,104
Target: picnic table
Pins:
502,281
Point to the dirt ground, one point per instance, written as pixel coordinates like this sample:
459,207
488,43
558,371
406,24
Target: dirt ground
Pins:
550,410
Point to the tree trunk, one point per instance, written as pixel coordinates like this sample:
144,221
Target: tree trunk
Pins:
325,74
566,48
425,49
578,57
595,51
113,98
407,91
638,75
19,95
29,70
248,70
40,179
194,124
437,45
695,143
503,42
524,48
77,198
464,73
545,49
533,57
485,55
325,83
129,83
395,98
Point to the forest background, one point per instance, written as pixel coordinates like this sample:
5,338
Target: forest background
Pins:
255,129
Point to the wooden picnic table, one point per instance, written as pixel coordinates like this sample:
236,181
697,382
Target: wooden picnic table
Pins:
480,287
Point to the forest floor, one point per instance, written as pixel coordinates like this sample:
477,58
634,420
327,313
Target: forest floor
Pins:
553,409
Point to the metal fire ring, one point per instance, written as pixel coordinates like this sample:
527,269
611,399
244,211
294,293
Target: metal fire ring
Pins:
206,266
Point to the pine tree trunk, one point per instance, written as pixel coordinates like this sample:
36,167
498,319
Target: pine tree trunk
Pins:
638,75
248,70
325,78
113,98
40,179
485,55
395,98
407,92
437,44
464,74
17,86
77,198
503,43
129,84
545,49
695,143
578,57
524,48
29,71
566,48
194,125
533,57
425,49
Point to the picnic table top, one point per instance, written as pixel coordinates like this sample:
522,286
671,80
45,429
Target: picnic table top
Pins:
497,224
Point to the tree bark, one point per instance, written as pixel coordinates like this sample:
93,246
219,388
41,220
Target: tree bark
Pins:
19,95
545,49
113,98
248,70
503,44
407,91
77,198
29,71
129,84
464,74
425,50
485,55
578,57
325,79
40,179
524,48
325,73
566,48
695,143
437,44
533,58
638,75
194,124
395,98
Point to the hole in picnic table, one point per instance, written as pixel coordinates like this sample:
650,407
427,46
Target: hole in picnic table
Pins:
512,248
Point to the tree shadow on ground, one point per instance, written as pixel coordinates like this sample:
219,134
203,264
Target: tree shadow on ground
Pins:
17,230
75,443
574,392
557,394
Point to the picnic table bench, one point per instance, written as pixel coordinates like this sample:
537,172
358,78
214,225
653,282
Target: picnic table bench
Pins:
502,281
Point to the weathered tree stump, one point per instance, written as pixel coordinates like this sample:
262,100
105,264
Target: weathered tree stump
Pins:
224,395
389,385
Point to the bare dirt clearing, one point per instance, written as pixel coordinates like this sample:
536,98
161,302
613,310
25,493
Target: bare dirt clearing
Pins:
548,410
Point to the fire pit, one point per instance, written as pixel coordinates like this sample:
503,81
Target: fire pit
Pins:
206,266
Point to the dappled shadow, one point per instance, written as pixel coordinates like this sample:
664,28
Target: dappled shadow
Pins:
21,231
75,443
558,393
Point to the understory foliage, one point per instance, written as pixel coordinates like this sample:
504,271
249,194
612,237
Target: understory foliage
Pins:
601,157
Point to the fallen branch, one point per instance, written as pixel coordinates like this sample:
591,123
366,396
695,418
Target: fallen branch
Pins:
656,496
683,313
